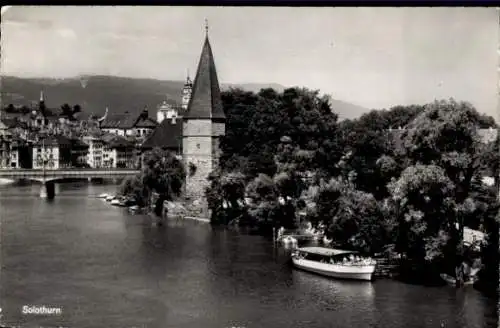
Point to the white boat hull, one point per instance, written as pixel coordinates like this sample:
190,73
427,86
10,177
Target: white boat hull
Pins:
364,272
4,182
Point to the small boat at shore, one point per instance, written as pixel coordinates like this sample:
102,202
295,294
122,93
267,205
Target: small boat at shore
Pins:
327,241
288,241
5,182
135,209
334,263
103,195
110,198
452,281
115,202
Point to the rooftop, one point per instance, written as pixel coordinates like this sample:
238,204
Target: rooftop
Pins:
325,251
166,136
147,122
205,99
119,121
54,141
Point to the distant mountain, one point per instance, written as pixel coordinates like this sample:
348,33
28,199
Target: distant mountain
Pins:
120,94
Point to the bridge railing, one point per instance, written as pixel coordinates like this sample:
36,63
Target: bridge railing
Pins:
66,172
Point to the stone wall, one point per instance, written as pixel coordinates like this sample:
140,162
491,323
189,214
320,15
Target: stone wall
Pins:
200,148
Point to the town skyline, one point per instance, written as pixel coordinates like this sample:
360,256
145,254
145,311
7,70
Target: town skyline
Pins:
389,57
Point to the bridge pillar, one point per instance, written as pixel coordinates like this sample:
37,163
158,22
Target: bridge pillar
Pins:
48,190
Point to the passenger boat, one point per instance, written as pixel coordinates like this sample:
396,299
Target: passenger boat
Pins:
334,263
115,202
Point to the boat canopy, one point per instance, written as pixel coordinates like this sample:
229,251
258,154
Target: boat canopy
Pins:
325,251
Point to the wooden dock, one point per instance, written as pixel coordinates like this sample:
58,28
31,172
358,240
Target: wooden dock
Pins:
386,268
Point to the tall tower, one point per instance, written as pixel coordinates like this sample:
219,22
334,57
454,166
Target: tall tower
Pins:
41,104
186,92
203,126
166,111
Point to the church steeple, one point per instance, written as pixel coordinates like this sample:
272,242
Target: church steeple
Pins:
205,102
186,92
41,105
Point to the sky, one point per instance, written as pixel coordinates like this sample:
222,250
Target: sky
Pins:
372,57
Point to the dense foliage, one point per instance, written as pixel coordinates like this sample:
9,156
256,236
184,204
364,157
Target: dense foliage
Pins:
407,179
161,173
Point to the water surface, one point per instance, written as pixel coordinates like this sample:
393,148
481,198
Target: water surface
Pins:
106,268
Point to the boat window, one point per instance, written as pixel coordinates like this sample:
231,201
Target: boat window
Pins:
317,257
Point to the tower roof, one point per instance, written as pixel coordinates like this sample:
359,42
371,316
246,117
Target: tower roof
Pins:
205,102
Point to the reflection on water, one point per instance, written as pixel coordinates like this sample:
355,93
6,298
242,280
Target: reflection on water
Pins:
107,268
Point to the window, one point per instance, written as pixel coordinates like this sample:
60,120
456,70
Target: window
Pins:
198,146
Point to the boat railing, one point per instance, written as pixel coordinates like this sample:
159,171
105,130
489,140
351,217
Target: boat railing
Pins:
349,263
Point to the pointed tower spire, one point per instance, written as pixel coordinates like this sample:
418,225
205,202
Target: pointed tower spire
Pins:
205,101
41,104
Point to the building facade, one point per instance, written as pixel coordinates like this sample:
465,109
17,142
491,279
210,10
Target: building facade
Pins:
166,111
95,152
52,153
118,152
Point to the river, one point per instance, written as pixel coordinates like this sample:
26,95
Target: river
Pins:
103,267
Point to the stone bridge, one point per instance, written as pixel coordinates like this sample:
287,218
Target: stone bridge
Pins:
48,176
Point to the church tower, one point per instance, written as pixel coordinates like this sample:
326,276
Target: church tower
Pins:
203,126
186,92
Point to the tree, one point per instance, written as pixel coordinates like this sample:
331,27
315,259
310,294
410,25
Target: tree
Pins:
353,218
10,109
225,196
66,111
370,142
257,122
162,173
426,212
264,207
133,187
444,153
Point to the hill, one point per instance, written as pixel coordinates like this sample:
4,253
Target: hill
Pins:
95,93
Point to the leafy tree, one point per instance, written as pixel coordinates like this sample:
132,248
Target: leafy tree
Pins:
440,190
10,109
225,196
133,187
66,110
353,218
257,122
162,173
370,142
486,121
426,211
264,207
